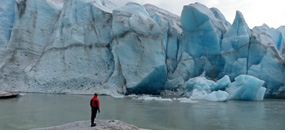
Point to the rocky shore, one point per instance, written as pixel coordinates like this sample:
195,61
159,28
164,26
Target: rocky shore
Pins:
101,125
4,94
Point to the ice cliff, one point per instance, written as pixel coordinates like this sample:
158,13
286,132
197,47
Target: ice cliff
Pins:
82,46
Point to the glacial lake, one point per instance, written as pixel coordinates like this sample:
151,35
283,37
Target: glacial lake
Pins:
44,110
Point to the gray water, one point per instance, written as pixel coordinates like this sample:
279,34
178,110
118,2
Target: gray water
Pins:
45,110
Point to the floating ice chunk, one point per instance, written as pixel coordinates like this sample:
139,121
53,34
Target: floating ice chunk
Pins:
260,93
185,100
22,94
202,84
246,87
119,96
150,98
219,96
132,95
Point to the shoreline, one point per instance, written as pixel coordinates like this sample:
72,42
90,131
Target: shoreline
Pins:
6,95
85,125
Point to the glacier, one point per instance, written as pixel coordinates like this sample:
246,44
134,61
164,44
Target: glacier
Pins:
83,46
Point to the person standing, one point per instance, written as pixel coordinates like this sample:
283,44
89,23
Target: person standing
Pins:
94,104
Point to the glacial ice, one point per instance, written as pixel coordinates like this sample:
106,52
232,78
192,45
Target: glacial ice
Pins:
170,29
235,47
246,87
202,84
203,88
138,49
201,30
265,60
217,96
6,21
83,46
222,83
237,36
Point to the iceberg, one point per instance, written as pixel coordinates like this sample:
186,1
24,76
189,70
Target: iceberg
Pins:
203,88
201,83
217,96
246,87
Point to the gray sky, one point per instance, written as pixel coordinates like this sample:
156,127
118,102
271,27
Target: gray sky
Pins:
256,12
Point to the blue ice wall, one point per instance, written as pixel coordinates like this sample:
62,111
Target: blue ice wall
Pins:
82,46
7,13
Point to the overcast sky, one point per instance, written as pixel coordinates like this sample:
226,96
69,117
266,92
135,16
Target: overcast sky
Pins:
255,12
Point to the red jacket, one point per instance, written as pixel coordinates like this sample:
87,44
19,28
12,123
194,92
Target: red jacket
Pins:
94,103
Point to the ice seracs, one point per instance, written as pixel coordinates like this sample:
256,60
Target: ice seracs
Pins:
138,48
80,46
235,45
201,30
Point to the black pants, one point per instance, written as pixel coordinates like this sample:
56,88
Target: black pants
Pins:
93,114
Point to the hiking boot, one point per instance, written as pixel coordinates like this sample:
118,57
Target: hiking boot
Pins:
93,125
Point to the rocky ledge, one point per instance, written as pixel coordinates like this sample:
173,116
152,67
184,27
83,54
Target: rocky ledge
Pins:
4,94
101,125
